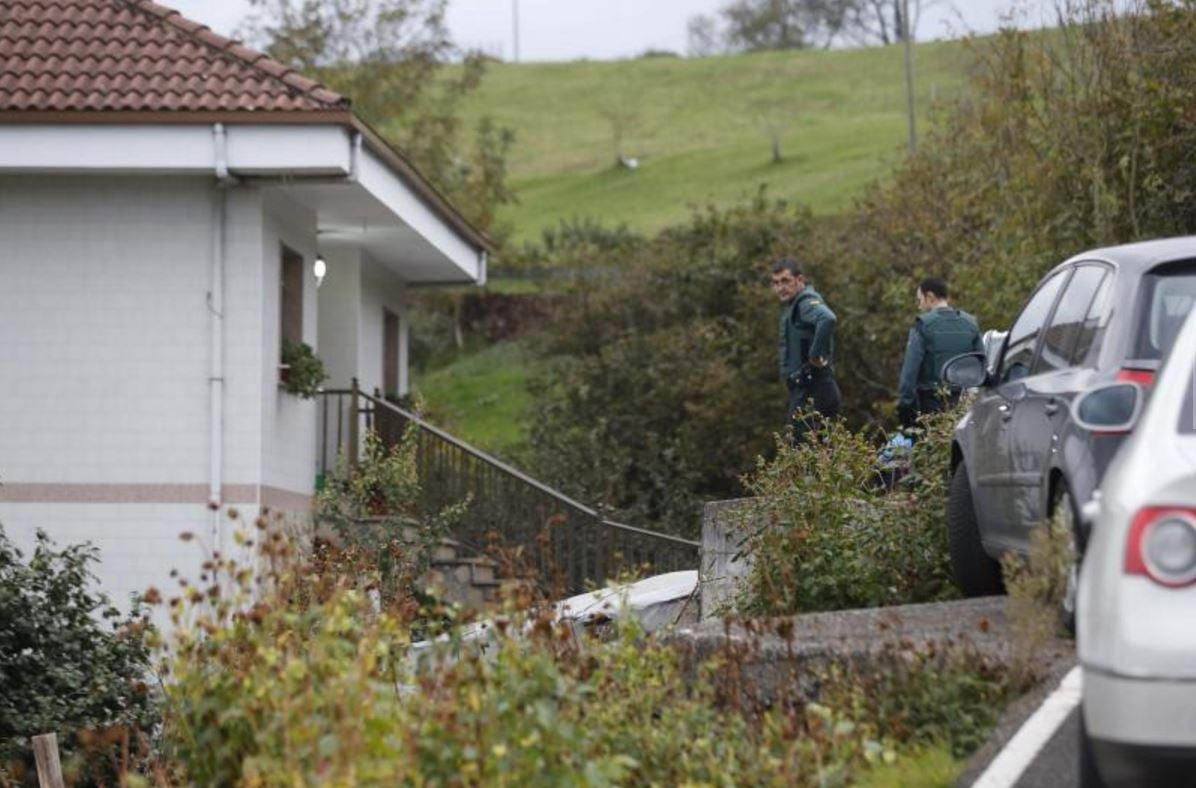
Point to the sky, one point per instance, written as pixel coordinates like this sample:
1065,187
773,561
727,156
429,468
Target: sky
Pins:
608,29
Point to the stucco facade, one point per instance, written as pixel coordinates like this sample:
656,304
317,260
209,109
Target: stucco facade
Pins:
104,316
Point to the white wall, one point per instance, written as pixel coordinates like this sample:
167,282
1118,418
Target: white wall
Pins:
380,290
339,316
288,421
104,354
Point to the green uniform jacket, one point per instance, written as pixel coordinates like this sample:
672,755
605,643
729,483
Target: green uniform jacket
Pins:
936,337
807,331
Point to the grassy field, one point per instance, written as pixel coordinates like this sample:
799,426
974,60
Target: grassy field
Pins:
482,398
699,129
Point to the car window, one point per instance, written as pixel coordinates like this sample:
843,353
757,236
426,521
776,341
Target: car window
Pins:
1166,297
1059,339
1092,333
1023,337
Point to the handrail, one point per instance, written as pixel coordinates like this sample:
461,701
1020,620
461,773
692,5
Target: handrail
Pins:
515,472
563,543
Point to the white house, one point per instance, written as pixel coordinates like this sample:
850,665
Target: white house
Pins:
164,194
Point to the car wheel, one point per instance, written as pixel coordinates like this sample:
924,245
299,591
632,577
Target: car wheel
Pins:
975,571
1063,515
1089,773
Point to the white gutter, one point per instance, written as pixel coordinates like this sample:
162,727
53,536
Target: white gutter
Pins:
216,334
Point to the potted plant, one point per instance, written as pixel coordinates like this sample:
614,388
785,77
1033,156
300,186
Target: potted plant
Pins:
301,371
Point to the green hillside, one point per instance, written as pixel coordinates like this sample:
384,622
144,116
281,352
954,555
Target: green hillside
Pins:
699,129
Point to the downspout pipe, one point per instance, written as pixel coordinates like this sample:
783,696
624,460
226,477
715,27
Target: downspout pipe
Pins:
216,281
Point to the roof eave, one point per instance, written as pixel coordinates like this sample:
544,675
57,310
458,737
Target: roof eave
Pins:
379,146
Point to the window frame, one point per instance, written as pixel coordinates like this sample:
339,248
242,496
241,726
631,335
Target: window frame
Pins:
1066,274
1070,353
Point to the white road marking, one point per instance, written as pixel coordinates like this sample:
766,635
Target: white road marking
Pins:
1021,750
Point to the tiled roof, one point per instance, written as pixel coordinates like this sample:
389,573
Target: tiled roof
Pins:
137,56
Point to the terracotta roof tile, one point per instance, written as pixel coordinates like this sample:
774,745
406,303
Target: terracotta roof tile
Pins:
64,55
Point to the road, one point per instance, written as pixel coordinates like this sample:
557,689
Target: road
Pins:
1038,747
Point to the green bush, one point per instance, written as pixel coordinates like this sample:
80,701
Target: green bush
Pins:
826,532
298,678
950,696
70,664
1070,138
663,392
660,386
376,511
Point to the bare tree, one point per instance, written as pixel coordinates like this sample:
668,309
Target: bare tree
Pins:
882,21
704,37
775,119
623,118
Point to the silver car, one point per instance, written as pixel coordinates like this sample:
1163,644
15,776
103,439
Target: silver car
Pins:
1136,624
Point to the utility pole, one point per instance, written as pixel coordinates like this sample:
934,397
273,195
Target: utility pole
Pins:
909,76
515,17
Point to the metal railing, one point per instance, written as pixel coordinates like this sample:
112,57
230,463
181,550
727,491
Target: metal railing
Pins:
564,544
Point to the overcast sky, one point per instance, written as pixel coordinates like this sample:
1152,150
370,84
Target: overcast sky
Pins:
605,29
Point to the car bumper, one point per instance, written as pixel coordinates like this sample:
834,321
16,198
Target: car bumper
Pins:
1143,731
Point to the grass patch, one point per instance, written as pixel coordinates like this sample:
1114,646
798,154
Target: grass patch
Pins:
698,129
482,397
932,766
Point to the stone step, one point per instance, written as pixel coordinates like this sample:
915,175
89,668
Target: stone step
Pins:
478,571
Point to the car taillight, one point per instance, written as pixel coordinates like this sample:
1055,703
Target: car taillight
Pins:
1162,546
1143,377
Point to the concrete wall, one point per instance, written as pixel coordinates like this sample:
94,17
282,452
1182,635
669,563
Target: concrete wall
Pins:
104,354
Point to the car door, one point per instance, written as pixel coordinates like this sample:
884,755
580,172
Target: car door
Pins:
993,411
1038,416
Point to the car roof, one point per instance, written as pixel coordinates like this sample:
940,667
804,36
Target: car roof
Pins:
1136,257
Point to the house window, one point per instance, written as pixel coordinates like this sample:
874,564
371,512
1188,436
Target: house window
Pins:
291,300
390,353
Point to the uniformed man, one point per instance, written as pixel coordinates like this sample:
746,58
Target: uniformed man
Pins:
806,349
940,333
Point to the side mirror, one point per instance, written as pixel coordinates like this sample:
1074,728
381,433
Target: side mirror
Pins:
994,342
966,372
1113,407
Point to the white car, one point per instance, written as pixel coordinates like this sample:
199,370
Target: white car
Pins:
1136,622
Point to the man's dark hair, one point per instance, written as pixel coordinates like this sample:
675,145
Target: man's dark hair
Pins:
787,264
933,285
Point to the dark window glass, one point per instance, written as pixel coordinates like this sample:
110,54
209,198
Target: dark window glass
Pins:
1167,296
1023,337
1092,333
1059,339
291,298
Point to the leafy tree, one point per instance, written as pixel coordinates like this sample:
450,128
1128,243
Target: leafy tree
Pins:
661,386
70,663
1068,141
391,58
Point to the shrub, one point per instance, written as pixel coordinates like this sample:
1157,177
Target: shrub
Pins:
1037,584
828,534
660,388
376,511
70,663
299,678
951,695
